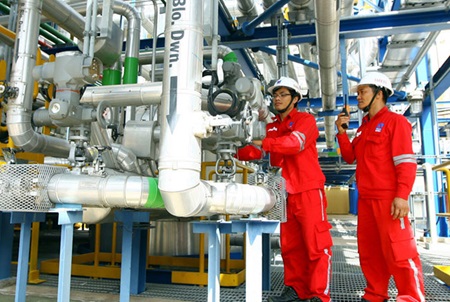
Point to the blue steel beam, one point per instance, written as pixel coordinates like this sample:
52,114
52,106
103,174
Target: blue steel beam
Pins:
297,59
381,24
249,27
441,81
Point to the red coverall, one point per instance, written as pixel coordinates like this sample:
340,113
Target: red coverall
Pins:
386,168
305,237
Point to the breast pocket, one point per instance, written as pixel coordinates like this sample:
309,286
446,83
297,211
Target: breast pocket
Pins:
375,145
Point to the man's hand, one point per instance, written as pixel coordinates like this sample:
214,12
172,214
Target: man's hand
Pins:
342,119
399,208
257,142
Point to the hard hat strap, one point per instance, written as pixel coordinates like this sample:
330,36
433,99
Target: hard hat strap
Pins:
293,96
367,108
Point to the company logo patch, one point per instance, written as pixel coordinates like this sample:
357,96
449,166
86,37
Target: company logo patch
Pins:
272,129
379,127
291,124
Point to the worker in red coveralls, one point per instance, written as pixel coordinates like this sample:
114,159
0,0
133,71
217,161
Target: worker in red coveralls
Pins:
305,236
385,174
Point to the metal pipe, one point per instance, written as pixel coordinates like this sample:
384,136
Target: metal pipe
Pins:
155,38
149,57
183,192
56,33
131,63
124,95
87,29
249,27
126,158
20,104
327,28
431,206
122,191
65,16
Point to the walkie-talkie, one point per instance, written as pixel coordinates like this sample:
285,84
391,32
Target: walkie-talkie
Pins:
346,113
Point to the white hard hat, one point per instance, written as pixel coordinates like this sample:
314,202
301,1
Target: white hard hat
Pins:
377,79
288,83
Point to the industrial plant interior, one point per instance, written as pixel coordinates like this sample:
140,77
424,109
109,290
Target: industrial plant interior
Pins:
120,123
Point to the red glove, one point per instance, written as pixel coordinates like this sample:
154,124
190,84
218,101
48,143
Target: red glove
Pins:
250,152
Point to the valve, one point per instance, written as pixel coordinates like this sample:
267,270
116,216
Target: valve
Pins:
226,162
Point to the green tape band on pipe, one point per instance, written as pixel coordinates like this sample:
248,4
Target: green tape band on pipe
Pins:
231,57
131,68
154,199
111,77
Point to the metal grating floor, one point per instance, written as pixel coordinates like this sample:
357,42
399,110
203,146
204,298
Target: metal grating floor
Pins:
347,280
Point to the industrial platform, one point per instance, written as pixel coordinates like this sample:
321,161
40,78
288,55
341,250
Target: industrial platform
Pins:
347,280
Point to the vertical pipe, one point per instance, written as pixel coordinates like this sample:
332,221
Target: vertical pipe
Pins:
215,33
282,47
20,104
431,208
155,39
93,28
87,28
181,96
131,63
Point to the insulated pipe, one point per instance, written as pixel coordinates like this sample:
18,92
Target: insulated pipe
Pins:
131,63
112,191
183,192
124,95
126,158
20,104
72,21
146,57
65,16
327,29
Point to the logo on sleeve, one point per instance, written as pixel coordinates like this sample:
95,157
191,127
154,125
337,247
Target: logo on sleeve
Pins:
272,129
379,127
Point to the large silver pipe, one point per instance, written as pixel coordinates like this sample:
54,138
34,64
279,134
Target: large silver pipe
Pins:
303,10
146,56
327,28
126,158
183,192
123,191
65,16
20,104
133,27
124,95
